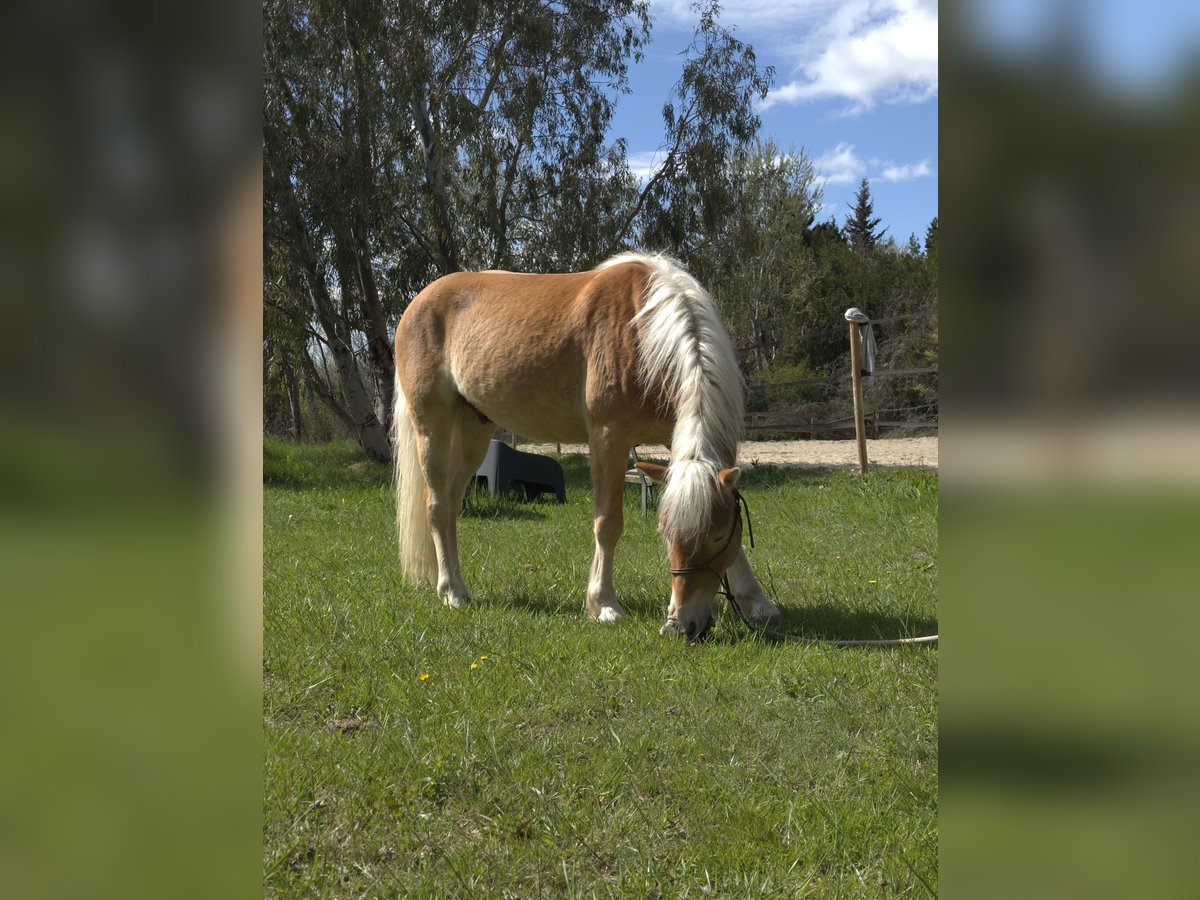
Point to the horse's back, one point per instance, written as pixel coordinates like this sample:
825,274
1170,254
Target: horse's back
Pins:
535,353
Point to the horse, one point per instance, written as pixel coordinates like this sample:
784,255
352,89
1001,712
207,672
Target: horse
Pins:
630,352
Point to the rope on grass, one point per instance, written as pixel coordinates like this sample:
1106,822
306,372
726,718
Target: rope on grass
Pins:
781,636
725,588
894,642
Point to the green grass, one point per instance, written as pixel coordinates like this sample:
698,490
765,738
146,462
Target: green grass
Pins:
545,755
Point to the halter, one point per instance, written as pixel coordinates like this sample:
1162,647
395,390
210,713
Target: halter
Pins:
739,503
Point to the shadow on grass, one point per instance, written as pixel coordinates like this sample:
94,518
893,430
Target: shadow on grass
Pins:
535,604
827,622
478,504
823,622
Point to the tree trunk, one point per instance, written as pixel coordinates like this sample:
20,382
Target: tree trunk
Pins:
292,386
435,184
355,257
316,386
379,341
372,435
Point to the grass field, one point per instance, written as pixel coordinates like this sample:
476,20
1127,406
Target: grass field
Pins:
513,749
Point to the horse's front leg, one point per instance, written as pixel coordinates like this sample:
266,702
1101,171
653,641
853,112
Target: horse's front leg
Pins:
609,458
748,593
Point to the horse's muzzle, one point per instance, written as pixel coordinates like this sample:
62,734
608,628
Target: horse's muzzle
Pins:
690,630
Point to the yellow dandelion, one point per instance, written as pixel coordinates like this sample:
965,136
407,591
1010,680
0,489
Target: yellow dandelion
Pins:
485,656
474,665
872,581
424,676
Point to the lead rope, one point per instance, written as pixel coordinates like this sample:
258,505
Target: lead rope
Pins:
779,635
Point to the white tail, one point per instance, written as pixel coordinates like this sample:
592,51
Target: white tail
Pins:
417,558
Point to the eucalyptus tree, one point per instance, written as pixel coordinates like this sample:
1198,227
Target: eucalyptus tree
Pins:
708,117
405,140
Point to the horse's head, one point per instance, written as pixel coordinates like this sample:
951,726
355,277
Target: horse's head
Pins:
698,561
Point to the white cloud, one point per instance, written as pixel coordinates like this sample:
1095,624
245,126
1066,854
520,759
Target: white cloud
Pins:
645,163
907,173
841,165
868,51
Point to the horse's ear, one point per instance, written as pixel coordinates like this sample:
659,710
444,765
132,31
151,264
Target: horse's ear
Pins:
728,478
656,473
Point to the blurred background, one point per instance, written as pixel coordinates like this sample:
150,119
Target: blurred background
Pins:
1070,448
131,422
130,516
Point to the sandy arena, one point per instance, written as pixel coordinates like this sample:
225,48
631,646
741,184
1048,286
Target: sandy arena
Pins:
917,451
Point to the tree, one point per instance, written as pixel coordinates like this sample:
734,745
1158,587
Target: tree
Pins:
822,235
404,140
708,117
861,226
754,259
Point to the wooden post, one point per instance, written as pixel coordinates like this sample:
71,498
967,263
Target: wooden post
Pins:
857,318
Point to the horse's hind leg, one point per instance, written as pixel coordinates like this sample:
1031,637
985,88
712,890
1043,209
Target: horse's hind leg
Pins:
451,447
609,460
474,437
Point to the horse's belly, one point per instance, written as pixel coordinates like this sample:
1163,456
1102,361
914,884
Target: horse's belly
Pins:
562,431
546,409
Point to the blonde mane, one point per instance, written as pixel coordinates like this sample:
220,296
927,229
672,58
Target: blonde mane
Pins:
683,345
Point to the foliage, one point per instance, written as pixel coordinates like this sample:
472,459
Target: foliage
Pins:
709,119
545,755
789,386
404,140
754,261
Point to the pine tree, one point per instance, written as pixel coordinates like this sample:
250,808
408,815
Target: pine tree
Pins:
861,227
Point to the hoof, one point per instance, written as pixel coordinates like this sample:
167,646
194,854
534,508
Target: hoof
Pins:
456,601
608,610
761,610
610,614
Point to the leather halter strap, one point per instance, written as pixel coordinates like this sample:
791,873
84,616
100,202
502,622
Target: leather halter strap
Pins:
739,503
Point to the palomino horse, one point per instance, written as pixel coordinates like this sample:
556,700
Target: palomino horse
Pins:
631,352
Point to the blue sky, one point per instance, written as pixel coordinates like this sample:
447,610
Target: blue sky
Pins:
855,89
1130,48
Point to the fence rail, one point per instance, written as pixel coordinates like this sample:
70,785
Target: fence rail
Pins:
802,422
790,423
793,423
845,376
